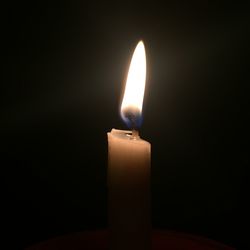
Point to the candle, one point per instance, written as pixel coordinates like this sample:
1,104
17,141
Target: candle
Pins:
129,167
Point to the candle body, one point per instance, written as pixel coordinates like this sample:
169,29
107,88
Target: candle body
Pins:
129,192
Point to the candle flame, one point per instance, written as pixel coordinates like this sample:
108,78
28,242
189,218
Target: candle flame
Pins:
132,103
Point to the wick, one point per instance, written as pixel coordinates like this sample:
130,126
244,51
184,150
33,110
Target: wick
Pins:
135,134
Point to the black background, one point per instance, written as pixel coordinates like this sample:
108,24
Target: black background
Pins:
64,66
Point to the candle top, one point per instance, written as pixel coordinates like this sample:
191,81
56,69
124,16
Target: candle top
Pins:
126,135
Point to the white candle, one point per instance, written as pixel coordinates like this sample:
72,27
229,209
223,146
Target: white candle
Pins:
129,168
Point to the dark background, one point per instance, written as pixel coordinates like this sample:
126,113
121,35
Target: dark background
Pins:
61,87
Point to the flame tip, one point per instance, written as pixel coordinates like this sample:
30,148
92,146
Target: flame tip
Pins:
141,43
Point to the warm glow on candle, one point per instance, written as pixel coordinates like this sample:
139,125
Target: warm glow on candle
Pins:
131,107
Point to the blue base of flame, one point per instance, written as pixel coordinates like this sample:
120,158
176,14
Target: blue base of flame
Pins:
132,117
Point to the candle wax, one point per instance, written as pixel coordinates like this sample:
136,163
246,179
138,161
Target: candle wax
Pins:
129,191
